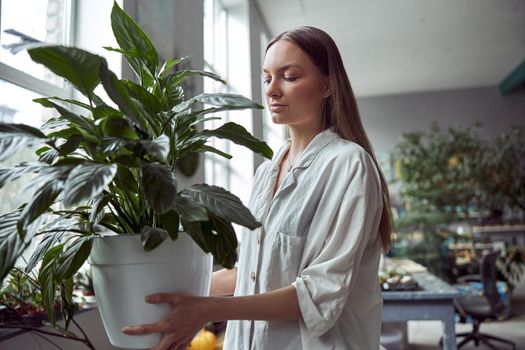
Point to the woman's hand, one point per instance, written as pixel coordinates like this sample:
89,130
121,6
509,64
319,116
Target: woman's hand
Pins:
186,318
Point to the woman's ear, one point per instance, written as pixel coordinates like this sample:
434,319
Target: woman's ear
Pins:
327,92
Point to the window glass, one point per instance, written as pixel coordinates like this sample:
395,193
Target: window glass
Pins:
16,106
42,20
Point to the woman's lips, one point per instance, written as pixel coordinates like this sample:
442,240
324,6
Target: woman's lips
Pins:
277,107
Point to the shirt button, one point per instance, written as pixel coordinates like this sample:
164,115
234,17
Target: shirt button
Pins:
259,239
252,275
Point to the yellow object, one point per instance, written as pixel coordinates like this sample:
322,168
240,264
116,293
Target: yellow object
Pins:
453,162
205,340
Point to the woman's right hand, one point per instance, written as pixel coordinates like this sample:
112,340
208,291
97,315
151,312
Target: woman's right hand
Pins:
223,282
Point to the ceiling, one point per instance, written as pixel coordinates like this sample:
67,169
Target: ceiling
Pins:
406,46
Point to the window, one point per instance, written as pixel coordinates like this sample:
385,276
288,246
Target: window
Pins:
226,53
22,80
45,21
217,169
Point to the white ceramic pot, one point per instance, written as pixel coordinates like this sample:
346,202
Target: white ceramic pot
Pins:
123,274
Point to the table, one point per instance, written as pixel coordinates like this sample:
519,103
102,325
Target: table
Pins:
433,302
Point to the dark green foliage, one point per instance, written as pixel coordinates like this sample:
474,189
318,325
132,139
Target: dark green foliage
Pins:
113,168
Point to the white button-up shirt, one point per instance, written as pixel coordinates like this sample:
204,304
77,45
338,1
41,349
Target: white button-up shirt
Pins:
319,234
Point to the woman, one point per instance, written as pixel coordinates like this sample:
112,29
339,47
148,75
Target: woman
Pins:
307,279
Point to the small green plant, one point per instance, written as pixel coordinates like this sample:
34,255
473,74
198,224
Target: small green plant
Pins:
113,169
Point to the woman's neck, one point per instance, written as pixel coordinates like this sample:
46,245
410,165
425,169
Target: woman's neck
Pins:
299,140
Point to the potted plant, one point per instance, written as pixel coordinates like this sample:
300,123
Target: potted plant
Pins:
106,169
20,309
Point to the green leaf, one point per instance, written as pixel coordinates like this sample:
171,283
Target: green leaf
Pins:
173,94
7,130
70,145
206,148
170,63
194,229
45,101
125,179
170,221
129,53
160,186
144,96
77,66
11,244
128,160
184,74
73,257
12,174
49,240
188,162
105,111
118,93
87,180
83,124
11,145
64,133
238,134
158,148
66,294
227,100
113,144
189,209
14,137
43,198
225,247
48,156
48,286
222,203
152,237
97,209
55,123
131,37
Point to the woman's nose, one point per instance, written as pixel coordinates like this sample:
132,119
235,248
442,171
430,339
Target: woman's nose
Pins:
272,89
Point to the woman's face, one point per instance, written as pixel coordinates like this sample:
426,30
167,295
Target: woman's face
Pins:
295,88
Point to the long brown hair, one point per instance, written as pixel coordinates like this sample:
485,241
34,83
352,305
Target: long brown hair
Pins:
340,110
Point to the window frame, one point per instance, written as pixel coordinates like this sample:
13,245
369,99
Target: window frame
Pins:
26,81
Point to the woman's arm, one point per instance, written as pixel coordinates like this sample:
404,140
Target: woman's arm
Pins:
280,304
223,282
189,313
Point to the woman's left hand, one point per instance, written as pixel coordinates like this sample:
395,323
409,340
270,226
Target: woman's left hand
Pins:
180,326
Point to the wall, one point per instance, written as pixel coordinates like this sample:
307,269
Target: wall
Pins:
386,117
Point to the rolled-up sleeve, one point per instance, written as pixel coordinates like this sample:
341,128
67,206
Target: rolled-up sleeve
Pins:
346,219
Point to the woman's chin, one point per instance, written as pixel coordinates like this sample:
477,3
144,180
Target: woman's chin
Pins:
278,118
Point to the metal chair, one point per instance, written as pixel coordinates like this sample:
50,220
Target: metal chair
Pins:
481,308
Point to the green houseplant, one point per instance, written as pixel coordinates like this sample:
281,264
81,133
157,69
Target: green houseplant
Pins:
106,168
452,175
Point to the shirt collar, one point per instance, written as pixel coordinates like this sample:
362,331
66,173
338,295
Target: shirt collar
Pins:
320,141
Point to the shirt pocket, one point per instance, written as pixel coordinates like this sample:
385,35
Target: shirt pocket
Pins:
287,252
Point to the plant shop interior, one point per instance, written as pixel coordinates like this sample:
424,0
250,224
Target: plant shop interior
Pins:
110,109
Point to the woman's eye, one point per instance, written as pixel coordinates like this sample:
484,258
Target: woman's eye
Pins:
290,78
266,81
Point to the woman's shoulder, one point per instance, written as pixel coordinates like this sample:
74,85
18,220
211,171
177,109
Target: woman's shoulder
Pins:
263,168
346,151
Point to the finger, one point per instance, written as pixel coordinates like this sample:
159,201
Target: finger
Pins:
166,342
142,329
161,298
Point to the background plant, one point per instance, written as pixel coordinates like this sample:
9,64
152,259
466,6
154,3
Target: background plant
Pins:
453,175
440,170
503,180
104,168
